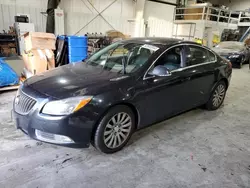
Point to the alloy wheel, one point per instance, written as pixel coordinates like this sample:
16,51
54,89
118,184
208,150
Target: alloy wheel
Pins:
218,96
117,130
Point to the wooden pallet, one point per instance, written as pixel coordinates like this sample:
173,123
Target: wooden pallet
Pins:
9,88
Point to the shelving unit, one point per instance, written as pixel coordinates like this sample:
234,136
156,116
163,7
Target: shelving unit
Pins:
8,42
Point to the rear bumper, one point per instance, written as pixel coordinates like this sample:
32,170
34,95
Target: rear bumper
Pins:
72,131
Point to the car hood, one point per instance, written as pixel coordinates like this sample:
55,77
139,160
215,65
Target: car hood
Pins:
74,80
225,52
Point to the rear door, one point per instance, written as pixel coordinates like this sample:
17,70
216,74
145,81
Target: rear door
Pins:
199,71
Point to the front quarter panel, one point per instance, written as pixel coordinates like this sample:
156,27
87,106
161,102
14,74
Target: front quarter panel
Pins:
101,103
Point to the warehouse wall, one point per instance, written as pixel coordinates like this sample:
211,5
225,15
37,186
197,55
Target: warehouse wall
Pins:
124,8
159,11
233,4
237,5
27,3
159,17
9,8
78,13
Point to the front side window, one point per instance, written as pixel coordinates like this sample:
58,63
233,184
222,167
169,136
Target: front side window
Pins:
122,57
172,59
196,55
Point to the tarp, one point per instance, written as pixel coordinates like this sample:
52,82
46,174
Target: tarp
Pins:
7,75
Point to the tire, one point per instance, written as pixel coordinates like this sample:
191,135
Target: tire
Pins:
114,130
242,62
249,62
217,96
240,65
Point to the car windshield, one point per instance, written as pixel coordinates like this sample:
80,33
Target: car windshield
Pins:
231,45
122,57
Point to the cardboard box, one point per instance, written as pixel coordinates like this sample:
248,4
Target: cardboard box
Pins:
50,59
35,61
38,61
39,40
196,9
25,59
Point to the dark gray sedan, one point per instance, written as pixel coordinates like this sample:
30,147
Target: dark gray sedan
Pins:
237,53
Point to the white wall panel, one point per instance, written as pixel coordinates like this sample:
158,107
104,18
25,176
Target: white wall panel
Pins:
75,21
79,12
8,11
158,11
159,17
159,28
27,3
123,8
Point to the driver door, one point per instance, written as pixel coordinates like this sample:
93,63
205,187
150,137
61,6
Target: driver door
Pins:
160,97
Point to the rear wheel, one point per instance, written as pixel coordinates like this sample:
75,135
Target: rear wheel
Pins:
115,129
217,96
249,62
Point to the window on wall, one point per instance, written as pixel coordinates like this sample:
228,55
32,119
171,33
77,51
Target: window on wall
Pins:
197,55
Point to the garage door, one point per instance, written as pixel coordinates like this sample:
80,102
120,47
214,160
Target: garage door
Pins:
159,17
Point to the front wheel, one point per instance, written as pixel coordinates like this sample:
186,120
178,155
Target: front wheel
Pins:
217,96
240,65
115,129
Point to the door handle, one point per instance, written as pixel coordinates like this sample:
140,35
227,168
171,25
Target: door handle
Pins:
186,79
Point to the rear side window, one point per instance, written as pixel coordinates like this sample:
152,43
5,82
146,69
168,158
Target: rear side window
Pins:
197,55
211,56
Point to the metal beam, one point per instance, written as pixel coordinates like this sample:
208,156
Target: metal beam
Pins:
163,2
87,6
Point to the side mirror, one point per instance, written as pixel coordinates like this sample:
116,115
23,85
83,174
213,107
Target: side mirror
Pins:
160,70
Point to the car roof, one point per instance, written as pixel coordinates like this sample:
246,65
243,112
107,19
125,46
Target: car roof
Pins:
157,41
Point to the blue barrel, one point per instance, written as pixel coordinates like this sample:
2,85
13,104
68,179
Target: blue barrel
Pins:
73,59
77,48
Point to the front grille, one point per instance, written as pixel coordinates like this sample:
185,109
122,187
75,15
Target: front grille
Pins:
23,103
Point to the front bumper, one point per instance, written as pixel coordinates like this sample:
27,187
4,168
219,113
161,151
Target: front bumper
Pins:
53,129
236,62
73,130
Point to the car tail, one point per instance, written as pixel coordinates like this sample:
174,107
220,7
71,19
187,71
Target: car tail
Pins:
229,64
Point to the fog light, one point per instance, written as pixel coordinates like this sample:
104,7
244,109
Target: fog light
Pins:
52,138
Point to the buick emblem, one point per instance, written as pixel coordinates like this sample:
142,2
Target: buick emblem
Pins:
17,99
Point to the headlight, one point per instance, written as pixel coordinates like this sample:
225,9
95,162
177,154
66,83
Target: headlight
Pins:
65,106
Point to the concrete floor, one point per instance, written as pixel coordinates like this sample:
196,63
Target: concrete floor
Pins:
195,149
16,63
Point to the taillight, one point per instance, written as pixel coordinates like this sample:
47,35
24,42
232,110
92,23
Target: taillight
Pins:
229,64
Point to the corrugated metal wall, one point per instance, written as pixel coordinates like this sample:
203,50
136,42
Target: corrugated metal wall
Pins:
27,3
78,13
8,11
75,21
159,28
